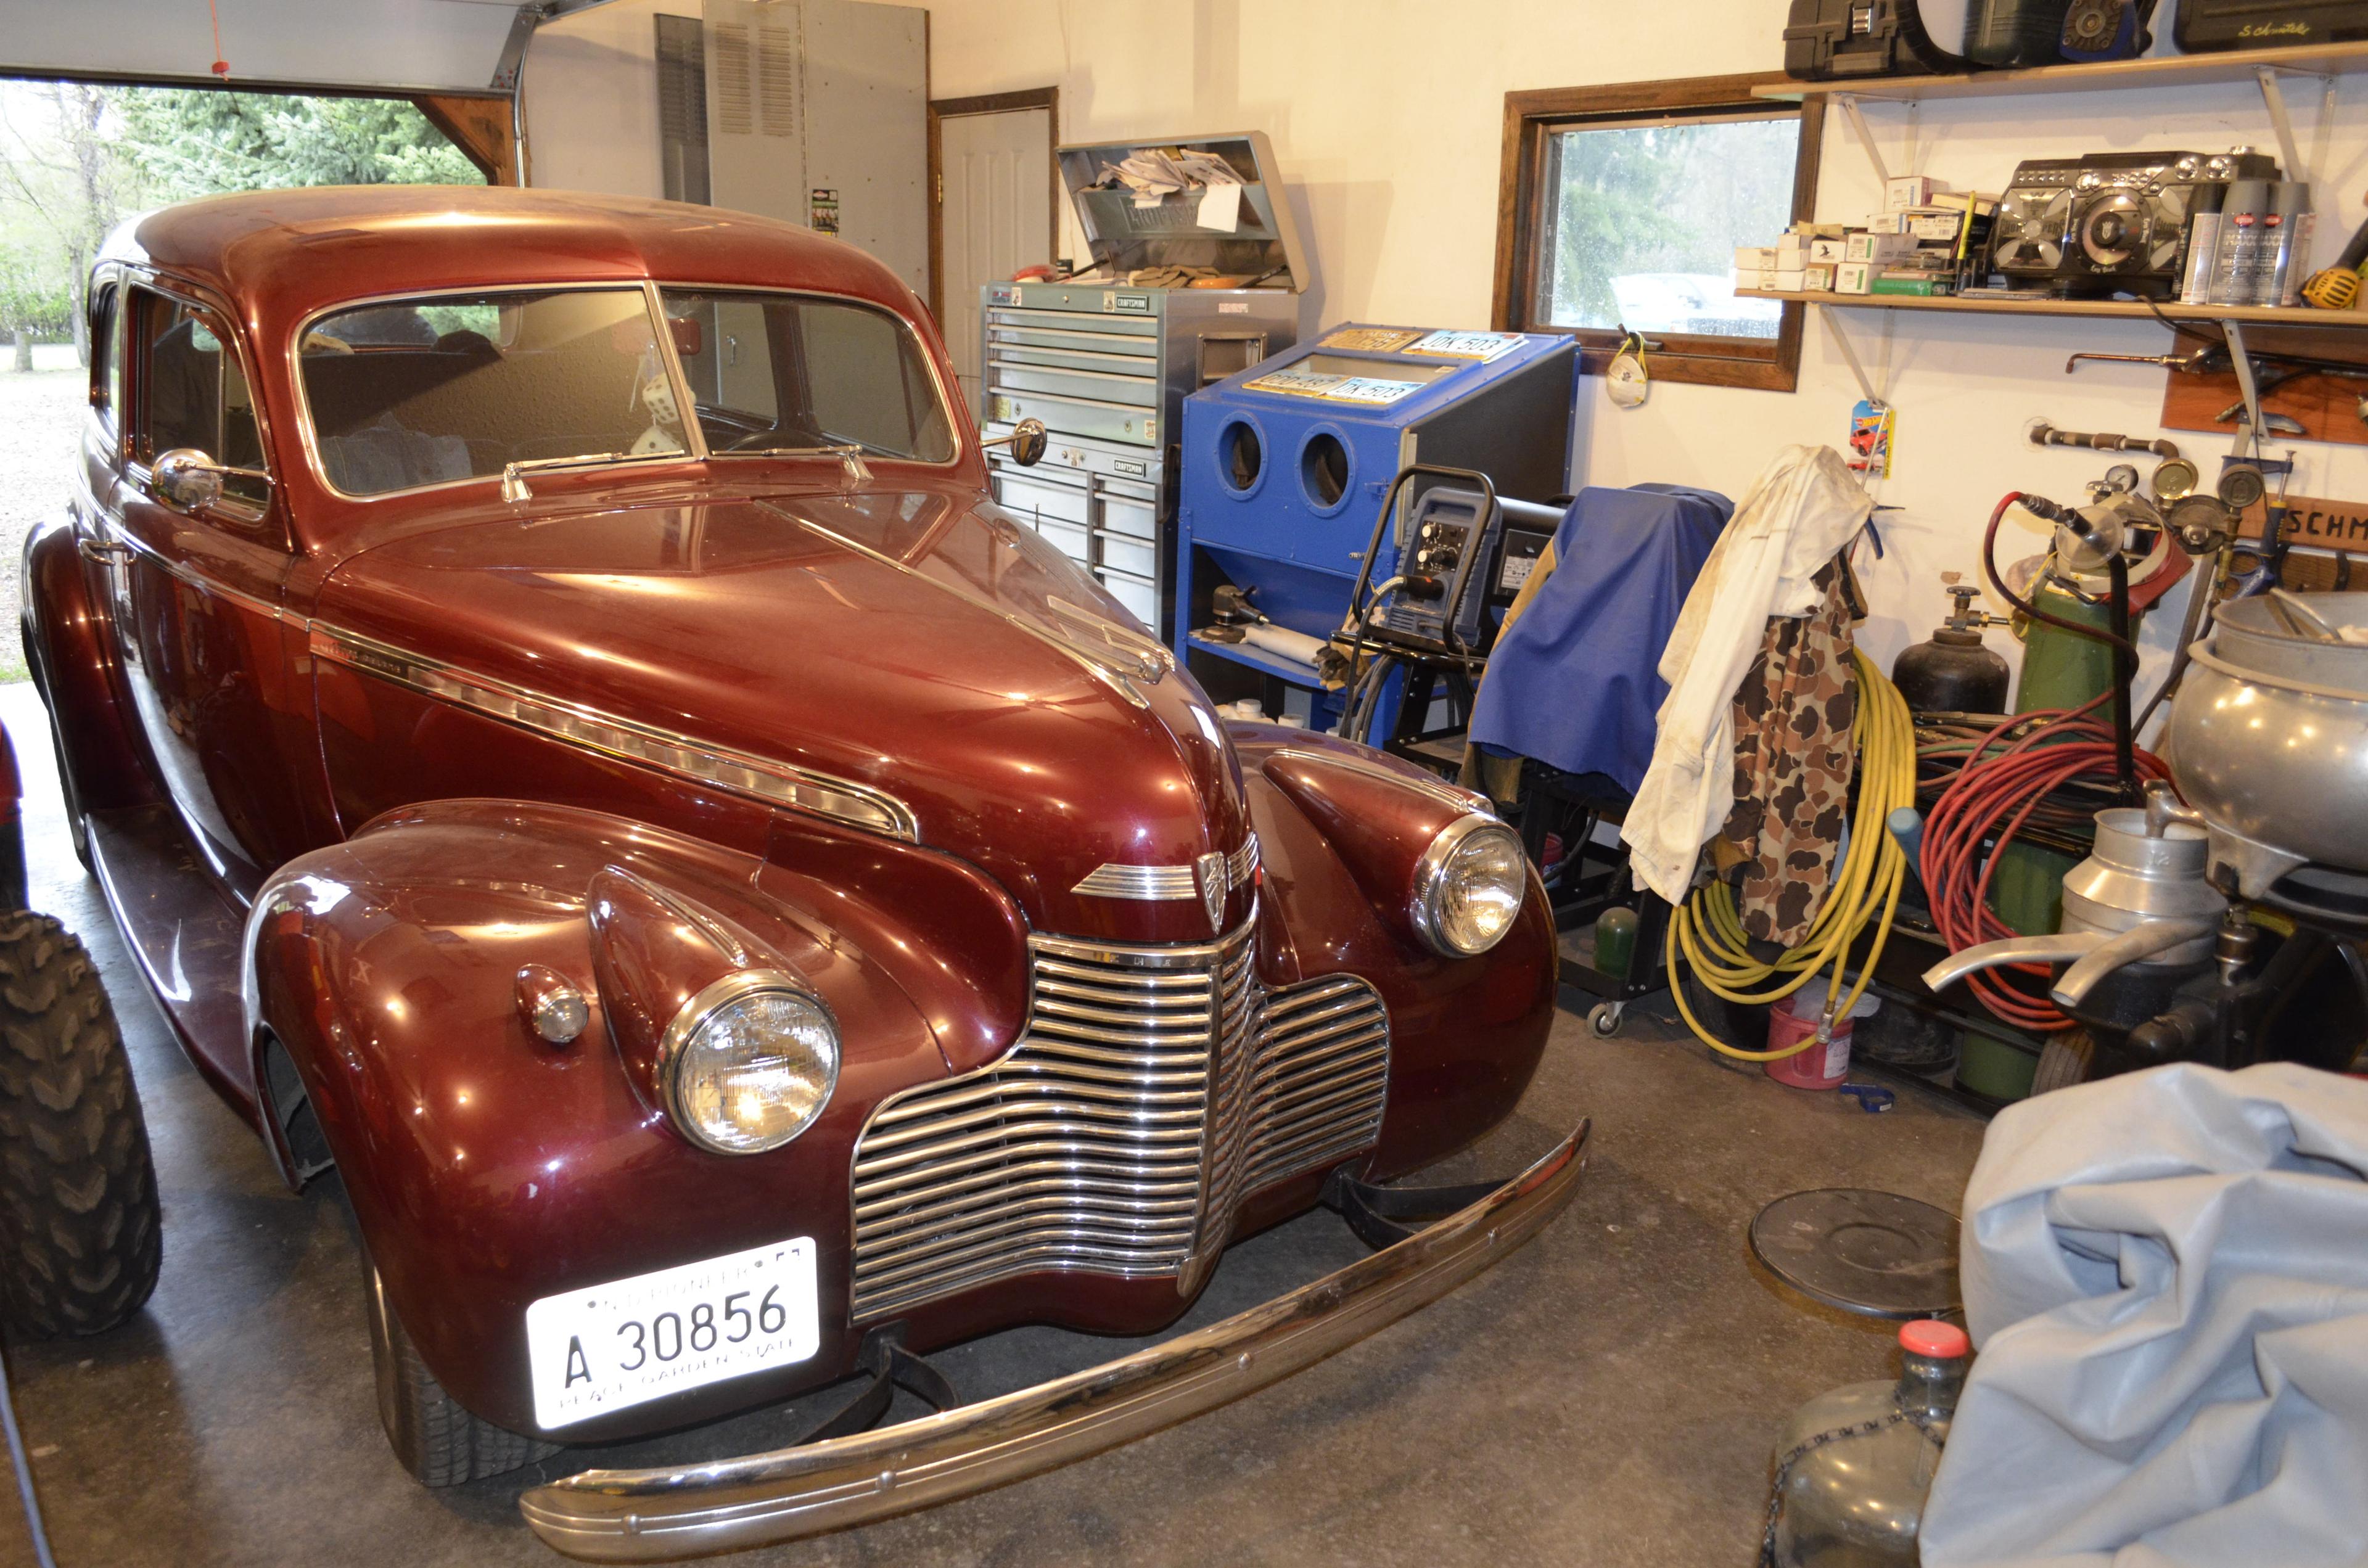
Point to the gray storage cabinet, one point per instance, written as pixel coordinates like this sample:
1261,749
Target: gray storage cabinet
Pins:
1107,366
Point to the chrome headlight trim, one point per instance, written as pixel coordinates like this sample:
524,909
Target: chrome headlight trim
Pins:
712,999
1430,875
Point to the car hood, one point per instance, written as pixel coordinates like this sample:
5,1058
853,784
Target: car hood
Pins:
921,644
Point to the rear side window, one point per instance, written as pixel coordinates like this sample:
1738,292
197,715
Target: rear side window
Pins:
193,393
105,355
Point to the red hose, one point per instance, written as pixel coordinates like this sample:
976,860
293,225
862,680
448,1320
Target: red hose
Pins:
1989,799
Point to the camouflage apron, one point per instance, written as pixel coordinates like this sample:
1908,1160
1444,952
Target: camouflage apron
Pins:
1793,762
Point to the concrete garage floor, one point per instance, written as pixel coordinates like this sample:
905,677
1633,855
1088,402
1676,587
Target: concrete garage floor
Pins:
1606,1396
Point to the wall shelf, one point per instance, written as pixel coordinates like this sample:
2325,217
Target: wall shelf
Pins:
2038,305
2153,70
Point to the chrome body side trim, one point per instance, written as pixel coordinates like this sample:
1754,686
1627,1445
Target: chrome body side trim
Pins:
645,1516
1161,883
1151,1091
740,773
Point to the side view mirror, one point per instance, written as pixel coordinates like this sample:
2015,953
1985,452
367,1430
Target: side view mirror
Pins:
1028,440
187,480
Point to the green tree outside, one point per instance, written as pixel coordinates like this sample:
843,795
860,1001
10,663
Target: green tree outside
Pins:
76,159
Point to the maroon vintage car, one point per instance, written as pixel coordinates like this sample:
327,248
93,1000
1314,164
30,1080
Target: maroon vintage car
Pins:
573,747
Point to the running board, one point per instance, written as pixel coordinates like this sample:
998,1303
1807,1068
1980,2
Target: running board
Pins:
185,936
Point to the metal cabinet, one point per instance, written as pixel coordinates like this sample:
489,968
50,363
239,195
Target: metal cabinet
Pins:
1107,364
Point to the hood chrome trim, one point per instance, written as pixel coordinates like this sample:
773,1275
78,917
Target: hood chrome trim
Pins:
1163,883
741,773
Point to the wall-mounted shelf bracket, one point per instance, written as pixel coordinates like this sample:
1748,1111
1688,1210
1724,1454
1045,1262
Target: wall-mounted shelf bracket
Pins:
1857,118
2274,99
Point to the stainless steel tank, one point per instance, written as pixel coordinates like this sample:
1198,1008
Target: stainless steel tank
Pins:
2269,737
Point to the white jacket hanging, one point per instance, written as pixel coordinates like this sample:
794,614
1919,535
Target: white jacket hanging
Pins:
1804,508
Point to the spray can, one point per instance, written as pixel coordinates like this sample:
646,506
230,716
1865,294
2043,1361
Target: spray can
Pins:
2242,218
2291,264
2203,243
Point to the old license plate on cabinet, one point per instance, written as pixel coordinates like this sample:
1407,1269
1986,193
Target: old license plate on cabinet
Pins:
610,1346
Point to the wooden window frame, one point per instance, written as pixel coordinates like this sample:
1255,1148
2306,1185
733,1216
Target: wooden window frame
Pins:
1767,364
943,109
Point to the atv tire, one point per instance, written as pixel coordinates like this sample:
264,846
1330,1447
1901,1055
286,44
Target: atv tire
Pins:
81,1236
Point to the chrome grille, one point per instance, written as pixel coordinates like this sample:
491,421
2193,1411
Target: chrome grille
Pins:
1155,1088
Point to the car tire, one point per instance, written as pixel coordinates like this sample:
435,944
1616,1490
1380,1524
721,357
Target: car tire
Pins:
436,1440
81,1234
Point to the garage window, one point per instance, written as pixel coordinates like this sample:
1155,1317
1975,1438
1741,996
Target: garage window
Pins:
1622,207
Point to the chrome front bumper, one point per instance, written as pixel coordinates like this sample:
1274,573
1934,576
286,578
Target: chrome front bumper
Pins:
645,1516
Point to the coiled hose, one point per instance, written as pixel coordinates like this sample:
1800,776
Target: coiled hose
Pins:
1981,810
1708,931
2056,756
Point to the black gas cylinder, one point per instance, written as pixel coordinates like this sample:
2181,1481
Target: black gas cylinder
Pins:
1954,672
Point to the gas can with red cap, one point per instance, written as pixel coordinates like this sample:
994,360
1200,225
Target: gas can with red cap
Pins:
1852,1467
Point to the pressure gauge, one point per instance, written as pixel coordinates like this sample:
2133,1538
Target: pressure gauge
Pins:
2174,478
2242,485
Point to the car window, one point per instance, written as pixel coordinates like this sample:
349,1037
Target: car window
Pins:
454,387
193,393
786,370
106,359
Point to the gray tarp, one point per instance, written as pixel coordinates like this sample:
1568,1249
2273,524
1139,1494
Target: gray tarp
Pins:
2167,1278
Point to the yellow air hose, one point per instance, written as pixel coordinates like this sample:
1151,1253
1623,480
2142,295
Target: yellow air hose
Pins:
1709,931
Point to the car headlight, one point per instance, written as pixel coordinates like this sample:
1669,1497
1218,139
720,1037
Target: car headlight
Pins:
748,1062
1469,885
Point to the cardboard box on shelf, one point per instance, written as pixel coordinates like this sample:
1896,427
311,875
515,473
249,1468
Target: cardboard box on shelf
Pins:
1754,258
1879,249
1817,277
1907,190
1852,277
1829,252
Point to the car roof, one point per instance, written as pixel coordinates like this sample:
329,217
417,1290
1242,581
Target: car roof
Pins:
278,255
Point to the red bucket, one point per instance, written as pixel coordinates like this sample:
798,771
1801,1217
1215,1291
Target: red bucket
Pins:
1818,1067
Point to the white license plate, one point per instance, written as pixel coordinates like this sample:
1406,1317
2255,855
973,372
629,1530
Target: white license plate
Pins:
610,1346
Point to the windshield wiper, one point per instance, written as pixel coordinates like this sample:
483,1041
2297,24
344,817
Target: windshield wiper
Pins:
851,453
514,483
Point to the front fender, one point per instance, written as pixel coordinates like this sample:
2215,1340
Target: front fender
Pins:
1340,826
70,647
488,1168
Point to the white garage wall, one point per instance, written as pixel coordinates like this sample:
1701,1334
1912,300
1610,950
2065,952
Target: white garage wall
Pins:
1387,117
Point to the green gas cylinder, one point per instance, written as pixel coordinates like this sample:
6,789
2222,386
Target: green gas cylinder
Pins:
2060,669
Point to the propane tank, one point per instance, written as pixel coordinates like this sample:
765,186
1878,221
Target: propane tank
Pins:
1953,673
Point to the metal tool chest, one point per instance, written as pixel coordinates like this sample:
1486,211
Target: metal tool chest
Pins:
1107,366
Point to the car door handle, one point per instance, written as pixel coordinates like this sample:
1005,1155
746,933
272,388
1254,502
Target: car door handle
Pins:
105,552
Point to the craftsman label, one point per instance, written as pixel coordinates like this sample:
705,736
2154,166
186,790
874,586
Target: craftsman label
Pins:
822,211
1481,346
1371,339
1003,294
1233,307
1134,466
1126,304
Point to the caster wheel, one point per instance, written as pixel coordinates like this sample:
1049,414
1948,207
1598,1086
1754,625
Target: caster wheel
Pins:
1605,1019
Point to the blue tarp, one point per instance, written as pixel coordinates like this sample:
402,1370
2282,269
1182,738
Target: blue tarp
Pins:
1574,683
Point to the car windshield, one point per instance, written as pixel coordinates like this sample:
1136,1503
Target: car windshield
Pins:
455,386
776,373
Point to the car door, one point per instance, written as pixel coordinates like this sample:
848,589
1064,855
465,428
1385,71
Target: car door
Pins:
206,653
